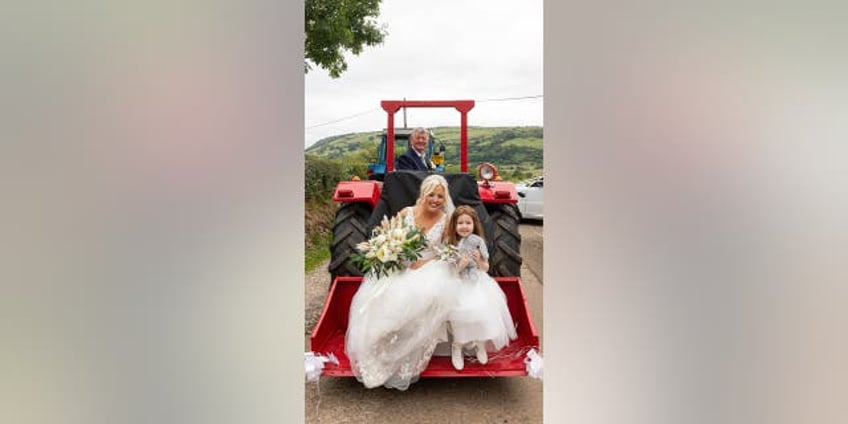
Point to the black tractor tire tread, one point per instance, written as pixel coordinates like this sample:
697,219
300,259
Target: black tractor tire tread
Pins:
505,259
348,231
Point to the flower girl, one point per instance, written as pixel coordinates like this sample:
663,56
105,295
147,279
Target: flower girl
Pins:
482,315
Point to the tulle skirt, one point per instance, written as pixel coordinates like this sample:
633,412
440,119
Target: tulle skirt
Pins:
482,313
397,321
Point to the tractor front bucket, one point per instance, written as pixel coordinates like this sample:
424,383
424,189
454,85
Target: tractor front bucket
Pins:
329,335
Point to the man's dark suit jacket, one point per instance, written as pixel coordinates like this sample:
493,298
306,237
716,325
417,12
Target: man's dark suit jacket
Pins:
410,160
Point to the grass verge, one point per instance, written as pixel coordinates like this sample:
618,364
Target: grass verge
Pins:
317,251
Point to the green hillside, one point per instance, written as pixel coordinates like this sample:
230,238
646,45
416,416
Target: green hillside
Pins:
516,151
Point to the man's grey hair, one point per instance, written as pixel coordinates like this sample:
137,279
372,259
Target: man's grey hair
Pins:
420,129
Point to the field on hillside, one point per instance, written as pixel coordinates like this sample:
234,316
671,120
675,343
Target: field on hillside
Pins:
516,151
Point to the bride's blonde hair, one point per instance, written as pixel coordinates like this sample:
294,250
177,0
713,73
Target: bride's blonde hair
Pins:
428,185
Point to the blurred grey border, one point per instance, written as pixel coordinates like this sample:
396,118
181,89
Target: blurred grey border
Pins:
695,155
152,166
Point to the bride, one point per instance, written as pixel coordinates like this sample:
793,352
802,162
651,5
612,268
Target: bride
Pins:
396,321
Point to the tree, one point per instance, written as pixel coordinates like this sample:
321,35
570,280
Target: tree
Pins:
336,26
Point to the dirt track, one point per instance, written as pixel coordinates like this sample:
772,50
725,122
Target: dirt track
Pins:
435,400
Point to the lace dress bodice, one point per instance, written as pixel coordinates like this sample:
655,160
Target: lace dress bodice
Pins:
434,234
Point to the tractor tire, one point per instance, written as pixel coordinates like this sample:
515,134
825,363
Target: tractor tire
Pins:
349,229
505,257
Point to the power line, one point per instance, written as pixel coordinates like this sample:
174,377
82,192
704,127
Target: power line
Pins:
502,99
341,119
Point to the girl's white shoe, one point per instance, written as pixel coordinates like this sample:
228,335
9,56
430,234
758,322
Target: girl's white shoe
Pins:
456,356
482,357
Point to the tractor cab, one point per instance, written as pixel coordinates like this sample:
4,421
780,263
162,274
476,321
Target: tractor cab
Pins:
435,151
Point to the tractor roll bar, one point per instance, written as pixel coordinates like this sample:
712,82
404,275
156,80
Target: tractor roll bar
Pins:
391,107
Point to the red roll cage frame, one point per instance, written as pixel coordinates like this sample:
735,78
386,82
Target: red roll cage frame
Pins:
463,106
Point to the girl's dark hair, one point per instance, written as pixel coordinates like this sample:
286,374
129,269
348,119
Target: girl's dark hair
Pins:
449,236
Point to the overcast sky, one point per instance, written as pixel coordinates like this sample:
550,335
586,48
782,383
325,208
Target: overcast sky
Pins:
437,50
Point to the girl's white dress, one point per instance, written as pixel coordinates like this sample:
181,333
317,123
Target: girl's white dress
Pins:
396,321
482,313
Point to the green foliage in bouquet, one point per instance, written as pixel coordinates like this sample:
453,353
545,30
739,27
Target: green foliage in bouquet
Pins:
393,245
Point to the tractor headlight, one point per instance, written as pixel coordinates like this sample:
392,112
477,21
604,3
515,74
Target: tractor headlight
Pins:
487,172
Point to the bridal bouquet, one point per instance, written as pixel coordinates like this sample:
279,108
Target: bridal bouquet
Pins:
393,245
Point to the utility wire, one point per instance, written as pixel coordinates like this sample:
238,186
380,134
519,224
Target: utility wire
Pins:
342,119
502,99
511,98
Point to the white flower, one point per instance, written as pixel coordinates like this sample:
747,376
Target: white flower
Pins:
386,255
398,234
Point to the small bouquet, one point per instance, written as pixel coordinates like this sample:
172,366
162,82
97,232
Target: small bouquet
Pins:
454,256
392,246
448,253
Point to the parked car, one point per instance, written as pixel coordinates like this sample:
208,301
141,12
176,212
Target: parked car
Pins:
531,198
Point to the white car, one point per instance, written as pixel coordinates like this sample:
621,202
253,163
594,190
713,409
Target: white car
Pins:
531,198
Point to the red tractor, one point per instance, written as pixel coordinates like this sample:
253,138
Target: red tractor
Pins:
363,203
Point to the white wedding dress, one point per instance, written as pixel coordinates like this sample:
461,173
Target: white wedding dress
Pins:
481,314
396,321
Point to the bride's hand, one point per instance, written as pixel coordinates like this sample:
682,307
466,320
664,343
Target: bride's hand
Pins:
417,264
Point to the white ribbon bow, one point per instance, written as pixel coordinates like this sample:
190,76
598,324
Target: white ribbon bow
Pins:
534,364
315,364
